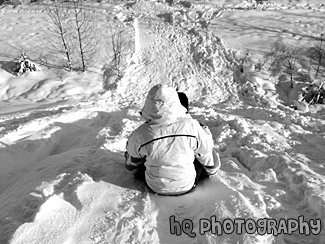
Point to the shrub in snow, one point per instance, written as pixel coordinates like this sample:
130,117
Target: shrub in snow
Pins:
315,94
24,64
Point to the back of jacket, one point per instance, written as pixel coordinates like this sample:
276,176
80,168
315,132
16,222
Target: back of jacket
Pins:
168,141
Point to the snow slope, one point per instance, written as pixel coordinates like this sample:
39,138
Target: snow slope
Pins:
62,174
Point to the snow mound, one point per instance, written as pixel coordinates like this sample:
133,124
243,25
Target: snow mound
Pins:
185,55
46,86
191,60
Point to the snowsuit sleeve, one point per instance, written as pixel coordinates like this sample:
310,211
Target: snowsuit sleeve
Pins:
204,152
133,160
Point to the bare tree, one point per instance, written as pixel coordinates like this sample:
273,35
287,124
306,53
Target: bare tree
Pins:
290,63
85,35
275,57
317,53
282,58
117,45
59,42
74,35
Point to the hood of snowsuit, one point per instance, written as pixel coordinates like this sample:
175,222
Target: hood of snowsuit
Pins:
162,105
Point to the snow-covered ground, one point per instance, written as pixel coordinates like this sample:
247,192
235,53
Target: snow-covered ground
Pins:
62,174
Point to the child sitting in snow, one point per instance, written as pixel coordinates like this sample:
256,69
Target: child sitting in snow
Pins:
168,143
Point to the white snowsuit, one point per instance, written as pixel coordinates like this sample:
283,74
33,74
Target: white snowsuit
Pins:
167,144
